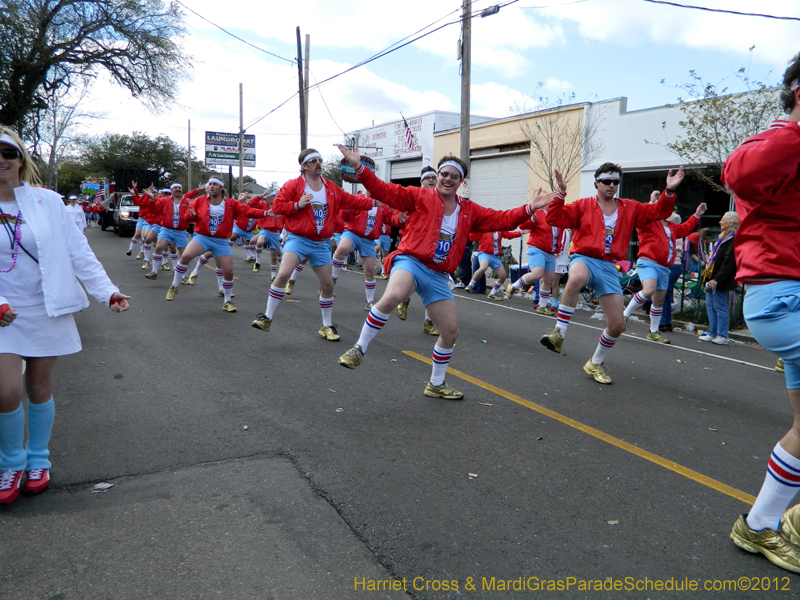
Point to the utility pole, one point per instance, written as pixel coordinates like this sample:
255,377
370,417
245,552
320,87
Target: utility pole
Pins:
306,78
241,139
303,130
189,161
466,60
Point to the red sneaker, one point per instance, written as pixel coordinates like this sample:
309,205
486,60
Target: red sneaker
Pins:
37,481
10,482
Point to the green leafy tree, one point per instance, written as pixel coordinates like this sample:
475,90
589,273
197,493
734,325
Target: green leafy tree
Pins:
714,123
51,45
330,170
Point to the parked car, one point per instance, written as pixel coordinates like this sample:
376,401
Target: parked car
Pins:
126,213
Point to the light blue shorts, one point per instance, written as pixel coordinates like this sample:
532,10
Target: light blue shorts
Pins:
431,285
217,246
493,260
153,227
539,258
647,269
273,238
245,234
317,253
141,223
385,242
772,313
603,276
337,237
181,238
365,247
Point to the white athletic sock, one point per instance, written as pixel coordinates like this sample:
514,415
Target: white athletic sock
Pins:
258,255
338,265
134,243
297,270
274,269
372,325
441,358
636,302
273,300
655,318
780,487
227,288
495,289
426,315
326,305
180,273
148,252
203,260
157,260
544,298
604,344
369,288
563,318
219,278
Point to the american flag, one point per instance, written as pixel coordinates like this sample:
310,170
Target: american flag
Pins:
100,195
409,135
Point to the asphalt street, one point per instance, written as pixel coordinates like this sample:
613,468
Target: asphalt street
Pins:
247,464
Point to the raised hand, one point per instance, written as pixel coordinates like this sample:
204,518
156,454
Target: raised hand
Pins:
562,184
701,209
674,181
541,200
352,156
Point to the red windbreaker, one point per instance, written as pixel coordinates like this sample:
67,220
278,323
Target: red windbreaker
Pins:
147,208
233,210
653,243
359,222
491,243
301,221
541,234
763,175
249,223
585,218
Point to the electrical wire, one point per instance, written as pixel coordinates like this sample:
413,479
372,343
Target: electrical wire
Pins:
720,10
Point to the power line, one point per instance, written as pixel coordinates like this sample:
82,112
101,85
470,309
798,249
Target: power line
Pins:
290,61
720,10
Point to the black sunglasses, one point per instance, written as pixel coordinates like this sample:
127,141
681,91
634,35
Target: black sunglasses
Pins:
609,181
446,174
10,153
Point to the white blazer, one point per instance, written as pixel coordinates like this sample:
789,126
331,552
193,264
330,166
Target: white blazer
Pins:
64,254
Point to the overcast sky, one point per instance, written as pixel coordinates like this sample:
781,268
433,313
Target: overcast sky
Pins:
596,49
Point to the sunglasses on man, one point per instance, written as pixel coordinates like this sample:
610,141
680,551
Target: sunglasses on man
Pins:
313,161
609,181
446,174
10,153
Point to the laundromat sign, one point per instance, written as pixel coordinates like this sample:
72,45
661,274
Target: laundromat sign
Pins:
223,149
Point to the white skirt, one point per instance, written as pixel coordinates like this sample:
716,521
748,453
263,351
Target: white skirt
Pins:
35,335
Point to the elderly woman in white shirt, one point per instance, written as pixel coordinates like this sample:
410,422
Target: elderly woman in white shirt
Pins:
75,211
42,258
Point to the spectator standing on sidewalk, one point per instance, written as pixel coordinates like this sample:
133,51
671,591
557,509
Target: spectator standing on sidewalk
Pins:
719,278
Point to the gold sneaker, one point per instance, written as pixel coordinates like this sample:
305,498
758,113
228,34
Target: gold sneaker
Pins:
509,290
147,265
657,337
369,305
790,525
220,293
429,328
495,297
543,310
229,307
262,322
442,391
192,279
140,256
128,253
151,275
289,287
597,371
552,341
172,292
352,358
165,268
256,267
768,542
329,333
185,281
381,276
402,309
779,365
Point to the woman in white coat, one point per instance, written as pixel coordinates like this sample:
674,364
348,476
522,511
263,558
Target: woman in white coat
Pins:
42,257
75,211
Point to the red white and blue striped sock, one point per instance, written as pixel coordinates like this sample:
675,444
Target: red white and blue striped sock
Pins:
258,255
157,260
274,269
273,300
369,288
174,259
203,261
164,256
495,289
655,318
231,243
441,358
148,252
297,270
637,301
372,325
326,304
544,298
563,318
605,344
134,242
227,287
218,271
180,273
780,487
338,265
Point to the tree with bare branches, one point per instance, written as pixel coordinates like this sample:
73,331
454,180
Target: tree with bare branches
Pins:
50,45
560,139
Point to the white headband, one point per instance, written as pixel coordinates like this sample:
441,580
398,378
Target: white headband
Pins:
428,174
175,185
271,193
310,156
217,181
794,85
7,139
608,175
452,163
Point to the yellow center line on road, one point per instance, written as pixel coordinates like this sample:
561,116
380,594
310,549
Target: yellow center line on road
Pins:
655,458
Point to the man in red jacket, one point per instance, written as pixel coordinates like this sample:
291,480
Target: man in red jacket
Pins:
601,232
437,229
309,204
170,211
764,175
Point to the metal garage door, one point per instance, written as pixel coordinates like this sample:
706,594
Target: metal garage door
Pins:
501,182
406,169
